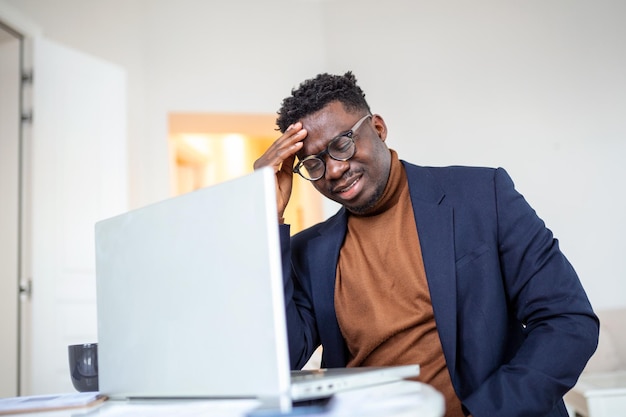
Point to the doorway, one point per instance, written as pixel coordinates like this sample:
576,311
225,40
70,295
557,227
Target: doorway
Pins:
208,148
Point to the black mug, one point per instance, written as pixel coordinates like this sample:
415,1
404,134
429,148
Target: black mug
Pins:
84,366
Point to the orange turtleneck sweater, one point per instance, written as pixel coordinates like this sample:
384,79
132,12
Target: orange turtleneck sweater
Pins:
382,299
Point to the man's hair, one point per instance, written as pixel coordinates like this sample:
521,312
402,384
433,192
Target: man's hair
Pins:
314,94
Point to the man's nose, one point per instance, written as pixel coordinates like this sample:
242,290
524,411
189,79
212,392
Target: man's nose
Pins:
335,169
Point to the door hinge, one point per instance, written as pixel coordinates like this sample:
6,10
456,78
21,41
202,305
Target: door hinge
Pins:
26,289
27,77
27,80
27,117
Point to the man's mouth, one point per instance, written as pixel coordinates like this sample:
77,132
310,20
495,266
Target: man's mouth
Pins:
346,191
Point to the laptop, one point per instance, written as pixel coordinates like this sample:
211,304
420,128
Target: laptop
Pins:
190,302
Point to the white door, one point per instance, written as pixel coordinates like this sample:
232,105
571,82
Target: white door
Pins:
77,149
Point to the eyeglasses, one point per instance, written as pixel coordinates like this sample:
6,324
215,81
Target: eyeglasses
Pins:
340,148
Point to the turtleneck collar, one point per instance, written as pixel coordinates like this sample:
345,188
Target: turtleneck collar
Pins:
391,194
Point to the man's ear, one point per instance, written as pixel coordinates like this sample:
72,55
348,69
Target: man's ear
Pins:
380,126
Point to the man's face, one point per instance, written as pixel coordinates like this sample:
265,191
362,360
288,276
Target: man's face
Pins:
359,182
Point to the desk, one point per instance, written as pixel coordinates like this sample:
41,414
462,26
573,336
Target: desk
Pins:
599,395
396,399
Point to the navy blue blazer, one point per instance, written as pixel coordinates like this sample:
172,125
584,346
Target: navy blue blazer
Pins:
515,324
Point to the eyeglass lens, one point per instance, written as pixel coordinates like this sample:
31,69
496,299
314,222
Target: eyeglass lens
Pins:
340,149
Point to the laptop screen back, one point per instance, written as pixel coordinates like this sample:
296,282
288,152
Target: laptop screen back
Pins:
190,298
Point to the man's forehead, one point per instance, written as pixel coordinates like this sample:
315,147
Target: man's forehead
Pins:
330,120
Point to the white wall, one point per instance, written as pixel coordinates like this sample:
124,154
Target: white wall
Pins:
538,87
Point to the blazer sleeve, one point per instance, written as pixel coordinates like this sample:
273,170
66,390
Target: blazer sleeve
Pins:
559,328
301,328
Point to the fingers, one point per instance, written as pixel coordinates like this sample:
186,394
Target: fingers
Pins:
281,156
282,152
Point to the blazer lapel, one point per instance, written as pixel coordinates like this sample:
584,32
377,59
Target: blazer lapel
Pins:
435,228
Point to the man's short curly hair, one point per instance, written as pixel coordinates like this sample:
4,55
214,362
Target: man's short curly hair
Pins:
314,94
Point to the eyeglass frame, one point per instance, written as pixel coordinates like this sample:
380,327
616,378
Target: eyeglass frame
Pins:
349,134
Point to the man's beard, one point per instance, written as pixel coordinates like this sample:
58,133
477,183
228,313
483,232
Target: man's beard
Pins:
365,209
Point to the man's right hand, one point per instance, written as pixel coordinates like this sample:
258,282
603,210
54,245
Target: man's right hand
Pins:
281,156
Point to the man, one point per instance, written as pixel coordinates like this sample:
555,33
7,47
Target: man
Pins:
446,267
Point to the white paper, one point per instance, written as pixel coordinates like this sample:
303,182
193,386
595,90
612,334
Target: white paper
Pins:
46,402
